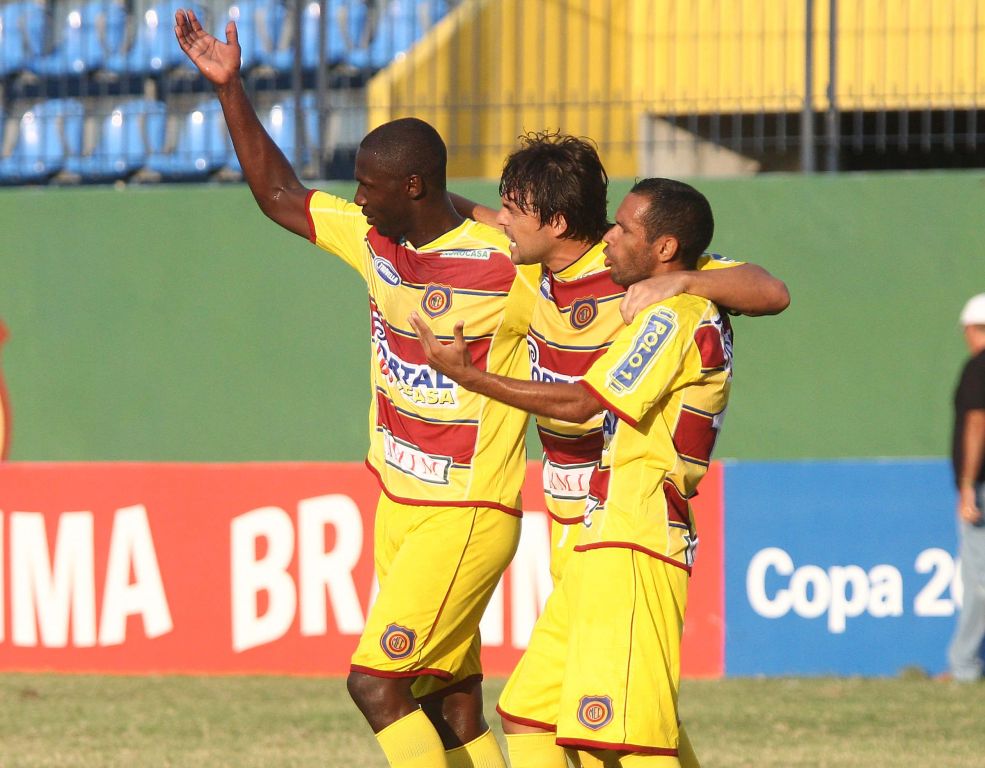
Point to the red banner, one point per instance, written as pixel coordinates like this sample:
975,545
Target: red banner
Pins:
232,568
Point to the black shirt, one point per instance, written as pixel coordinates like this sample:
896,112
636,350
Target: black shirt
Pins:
969,396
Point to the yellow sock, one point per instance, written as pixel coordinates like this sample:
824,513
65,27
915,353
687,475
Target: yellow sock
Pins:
535,750
483,752
412,742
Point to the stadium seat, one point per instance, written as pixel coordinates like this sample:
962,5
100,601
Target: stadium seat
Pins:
91,33
201,149
132,132
279,123
350,12
401,24
260,24
22,34
48,133
154,48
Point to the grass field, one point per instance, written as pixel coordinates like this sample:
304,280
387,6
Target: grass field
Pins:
89,720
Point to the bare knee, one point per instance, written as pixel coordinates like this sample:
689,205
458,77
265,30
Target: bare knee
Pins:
381,700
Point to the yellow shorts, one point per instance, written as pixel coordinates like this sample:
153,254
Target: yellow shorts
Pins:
564,535
437,568
603,664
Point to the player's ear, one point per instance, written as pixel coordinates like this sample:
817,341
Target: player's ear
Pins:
558,224
665,248
415,186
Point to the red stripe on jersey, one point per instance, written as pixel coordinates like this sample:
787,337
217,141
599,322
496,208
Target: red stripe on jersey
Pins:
439,673
312,236
695,435
430,502
709,342
454,440
677,511
525,720
409,349
579,449
570,362
606,404
615,746
493,274
636,548
598,487
599,285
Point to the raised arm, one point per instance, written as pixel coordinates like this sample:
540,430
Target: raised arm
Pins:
747,288
272,180
567,402
473,210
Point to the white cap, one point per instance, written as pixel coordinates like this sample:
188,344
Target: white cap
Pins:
974,311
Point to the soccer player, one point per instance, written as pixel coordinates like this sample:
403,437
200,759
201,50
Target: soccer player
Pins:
602,669
450,463
553,192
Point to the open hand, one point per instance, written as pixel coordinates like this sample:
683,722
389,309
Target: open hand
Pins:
218,61
453,359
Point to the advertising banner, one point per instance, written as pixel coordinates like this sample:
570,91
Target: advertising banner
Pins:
839,567
244,568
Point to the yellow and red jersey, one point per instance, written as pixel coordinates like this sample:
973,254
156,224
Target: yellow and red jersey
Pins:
664,382
574,321
431,441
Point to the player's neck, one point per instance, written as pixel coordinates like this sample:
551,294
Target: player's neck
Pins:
432,222
566,253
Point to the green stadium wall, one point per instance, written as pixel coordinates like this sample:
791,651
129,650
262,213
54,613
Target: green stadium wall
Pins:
178,324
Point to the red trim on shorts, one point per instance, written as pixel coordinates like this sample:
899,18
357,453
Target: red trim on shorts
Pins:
602,399
312,236
461,685
526,721
441,503
635,547
439,673
586,744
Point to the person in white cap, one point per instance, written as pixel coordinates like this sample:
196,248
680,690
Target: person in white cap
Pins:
968,452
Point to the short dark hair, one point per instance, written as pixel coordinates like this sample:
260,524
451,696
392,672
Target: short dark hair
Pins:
409,146
552,175
677,209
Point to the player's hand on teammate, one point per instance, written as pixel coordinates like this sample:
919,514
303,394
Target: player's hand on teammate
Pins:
452,359
218,61
647,292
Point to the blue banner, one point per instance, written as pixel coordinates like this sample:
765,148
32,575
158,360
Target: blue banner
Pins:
839,567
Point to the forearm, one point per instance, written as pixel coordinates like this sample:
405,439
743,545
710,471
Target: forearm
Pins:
271,179
563,401
972,448
473,210
747,288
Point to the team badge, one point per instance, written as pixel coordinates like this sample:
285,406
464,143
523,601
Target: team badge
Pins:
583,311
595,712
437,300
398,642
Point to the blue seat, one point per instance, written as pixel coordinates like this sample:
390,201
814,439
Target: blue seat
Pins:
353,12
400,25
132,132
259,24
154,49
201,149
22,35
279,122
48,133
92,33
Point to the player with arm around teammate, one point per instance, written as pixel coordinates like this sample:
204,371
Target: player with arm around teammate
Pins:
450,463
602,669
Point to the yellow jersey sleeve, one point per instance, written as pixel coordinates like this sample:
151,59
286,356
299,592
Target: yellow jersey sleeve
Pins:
641,364
716,261
339,227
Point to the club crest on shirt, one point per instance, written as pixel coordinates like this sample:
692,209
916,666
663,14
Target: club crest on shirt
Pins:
583,311
437,300
595,712
398,642
646,347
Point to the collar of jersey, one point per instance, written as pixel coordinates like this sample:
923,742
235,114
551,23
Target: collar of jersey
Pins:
441,242
593,260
